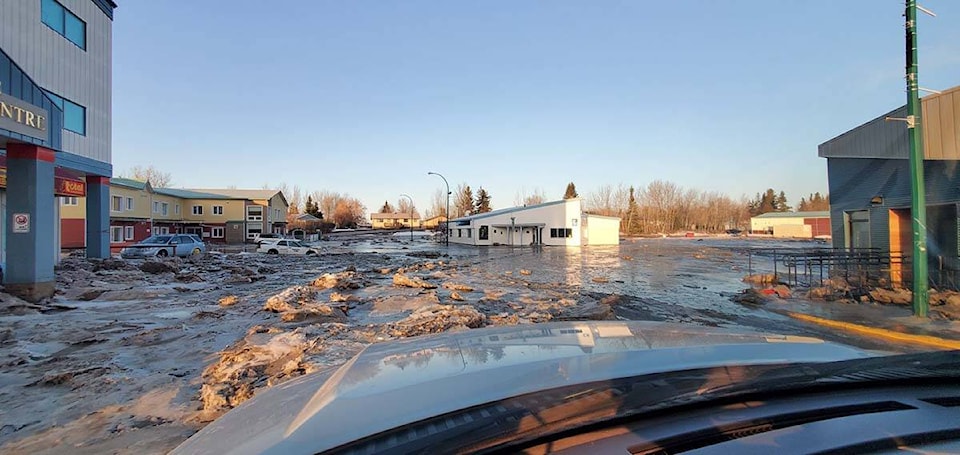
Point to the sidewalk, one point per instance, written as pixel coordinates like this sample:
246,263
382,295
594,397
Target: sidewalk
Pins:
894,323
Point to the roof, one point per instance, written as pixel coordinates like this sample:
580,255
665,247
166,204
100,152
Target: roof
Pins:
244,194
175,192
511,210
391,216
594,215
305,217
819,214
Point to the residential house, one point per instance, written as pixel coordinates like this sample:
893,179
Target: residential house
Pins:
395,220
265,211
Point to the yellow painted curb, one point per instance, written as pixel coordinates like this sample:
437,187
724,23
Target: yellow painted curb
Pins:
926,340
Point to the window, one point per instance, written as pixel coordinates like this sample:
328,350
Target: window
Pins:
218,210
128,232
64,22
164,208
253,232
176,209
68,200
216,232
468,232
116,234
254,213
129,204
561,233
156,207
483,233
116,203
74,115
197,210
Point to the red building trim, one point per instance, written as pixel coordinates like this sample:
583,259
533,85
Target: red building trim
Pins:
20,151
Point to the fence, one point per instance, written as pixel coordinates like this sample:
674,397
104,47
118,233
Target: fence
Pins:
867,267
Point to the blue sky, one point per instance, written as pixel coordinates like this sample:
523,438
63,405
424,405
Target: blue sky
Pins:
365,97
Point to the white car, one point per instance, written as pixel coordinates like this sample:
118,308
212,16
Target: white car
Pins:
287,246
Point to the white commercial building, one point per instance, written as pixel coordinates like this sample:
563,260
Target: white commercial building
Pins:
557,223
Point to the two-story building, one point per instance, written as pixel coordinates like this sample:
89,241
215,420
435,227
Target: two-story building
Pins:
55,132
138,210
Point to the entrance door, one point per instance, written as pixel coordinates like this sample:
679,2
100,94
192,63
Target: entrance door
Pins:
859,228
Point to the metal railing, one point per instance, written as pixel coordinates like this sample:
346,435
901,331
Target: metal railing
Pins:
861,267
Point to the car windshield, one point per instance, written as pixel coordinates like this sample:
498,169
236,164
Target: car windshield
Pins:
204,202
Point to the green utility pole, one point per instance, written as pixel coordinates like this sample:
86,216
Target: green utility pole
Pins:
918,207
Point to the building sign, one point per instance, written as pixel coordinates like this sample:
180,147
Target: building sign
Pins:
22,117
63,185
21,223
66,187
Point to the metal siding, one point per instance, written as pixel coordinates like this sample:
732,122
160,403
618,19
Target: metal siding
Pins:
853,182
58,65
877,138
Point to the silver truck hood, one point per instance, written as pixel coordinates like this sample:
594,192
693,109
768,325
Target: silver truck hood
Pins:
392,384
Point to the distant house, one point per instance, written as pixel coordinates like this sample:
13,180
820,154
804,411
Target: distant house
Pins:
394,220
434,222
792,224
558,223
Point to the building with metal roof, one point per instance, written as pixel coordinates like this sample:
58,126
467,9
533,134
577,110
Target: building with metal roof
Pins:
868,171
792,224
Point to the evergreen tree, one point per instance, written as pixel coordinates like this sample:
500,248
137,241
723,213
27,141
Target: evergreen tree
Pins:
387,208
463,201
571,191
780,203
483,202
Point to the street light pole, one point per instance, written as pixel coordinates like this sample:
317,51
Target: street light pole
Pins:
446,221
918,204
411,214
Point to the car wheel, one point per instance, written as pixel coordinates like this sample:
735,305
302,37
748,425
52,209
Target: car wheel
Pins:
162,253
311,253
195,252
273,252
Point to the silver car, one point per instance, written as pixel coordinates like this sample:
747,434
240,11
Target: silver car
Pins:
165,245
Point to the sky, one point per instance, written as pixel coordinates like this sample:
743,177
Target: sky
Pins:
365,97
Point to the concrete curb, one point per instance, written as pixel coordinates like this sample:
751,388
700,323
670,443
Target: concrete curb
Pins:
926,340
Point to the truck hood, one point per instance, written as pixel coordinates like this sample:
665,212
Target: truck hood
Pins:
396,383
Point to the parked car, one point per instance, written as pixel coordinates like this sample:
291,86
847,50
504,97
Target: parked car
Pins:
258,238
287,246
165,245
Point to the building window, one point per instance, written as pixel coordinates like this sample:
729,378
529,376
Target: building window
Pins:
116,203
116,234
254,213
559,233
216,232
469,232
164,208
161,230
74,115
64,22
156,207
129,204
128,232
176,209
483,233
253,232
197,210
69,200
218,210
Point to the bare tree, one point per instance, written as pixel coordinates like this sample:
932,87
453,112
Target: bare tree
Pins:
534,198
438,204
156,177
327,201
463,201
348,212
295,198
404,206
